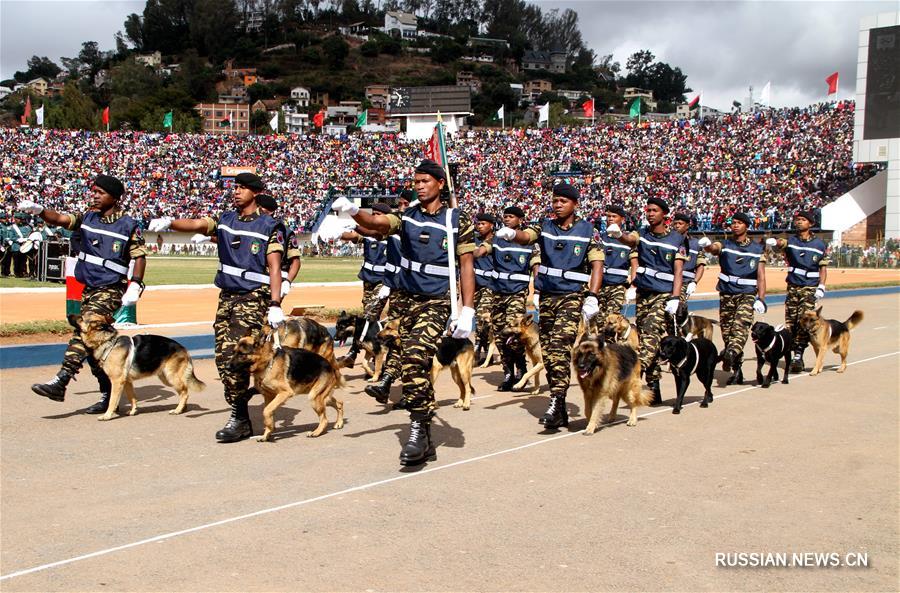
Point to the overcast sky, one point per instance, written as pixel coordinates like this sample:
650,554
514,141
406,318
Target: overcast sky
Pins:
722,46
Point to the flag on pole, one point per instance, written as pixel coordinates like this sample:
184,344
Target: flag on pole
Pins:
27,115
544,114
319,119
695,102
635,110
501,113
104,117
765,96
588,107
832,83
273,123
434,148
167,120
362,119
39,115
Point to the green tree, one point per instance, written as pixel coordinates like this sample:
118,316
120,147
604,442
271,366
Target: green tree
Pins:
259,122
668,84
638,66
74,111
336,51
259,91
91,58
133,79
134,30
38,67
212,26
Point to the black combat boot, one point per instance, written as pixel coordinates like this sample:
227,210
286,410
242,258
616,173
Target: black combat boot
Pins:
521,368
105,391
556,414
402,403
727,357
238,426
55,388
348,360
382,390
738,377
509,377
657,395
419,447
797,362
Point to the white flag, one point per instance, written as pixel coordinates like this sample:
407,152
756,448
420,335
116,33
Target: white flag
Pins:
39,115
273,123
500,112
765,97
544,113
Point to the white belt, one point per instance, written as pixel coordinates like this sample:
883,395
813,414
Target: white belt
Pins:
373,267
802,272
689,275
655,274
737,280
508,276
246,274
567,274
103,263
419,267
615,271
488,273
391,268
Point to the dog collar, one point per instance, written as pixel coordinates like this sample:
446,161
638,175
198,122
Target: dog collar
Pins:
625,335
696,360
769,347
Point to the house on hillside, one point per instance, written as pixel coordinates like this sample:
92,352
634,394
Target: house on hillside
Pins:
467,78
234,94
420,107
300,94
224,118
295,121
378,95
359,30
551,61
267,105
533,89
5,91
631,93
342,115
400,24
38,85
153,60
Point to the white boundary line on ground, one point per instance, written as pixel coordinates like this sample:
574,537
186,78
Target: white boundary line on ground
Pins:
430,470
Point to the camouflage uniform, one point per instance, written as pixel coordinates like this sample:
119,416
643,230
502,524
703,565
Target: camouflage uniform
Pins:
373,306
506,311
798,301
801,287
650,319
739,264
735,319
393,360
611,299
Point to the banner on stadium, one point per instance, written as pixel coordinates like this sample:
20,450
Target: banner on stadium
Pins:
235,171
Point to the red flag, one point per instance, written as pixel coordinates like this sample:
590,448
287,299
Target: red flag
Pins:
319,119
588,107
104,118
433,148
27,113
832,83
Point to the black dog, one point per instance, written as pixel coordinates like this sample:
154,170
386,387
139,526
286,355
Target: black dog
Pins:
772,344
699,356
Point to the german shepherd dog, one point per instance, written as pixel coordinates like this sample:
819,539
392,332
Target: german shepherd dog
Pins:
484,340
618,330
688,323
525,330
281,374
125,359
365,334
772,344
306,333
829,332
698,356
608,371
459,355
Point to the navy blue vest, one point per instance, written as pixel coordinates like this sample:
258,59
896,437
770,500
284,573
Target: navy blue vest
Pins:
690,266
242,251
392,261
563,268
656,260
616,261
511,266
104,256
738,265
374,258
424,265
803,259
484,268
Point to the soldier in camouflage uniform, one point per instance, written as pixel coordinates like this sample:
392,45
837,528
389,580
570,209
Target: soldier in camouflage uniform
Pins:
569,278
251,245
660,254
111,240
742,290
618,267
807,260
484,278
427,231
695,265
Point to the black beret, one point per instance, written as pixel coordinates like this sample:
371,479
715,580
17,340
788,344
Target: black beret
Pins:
381,207
110,185
486,218
613,209
566,190
807,214
430,167
266,201
682,216
515,211
742,217
407,194
250,180
659,202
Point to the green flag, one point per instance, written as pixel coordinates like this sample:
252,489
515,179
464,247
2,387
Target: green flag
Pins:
362,119
167,120
635,108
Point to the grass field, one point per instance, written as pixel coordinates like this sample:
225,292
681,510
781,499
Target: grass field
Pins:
196,270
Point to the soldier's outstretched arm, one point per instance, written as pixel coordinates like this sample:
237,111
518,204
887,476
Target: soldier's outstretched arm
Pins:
631,239
56,218
191,225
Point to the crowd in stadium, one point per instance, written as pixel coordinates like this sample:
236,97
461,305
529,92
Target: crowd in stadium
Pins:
768,164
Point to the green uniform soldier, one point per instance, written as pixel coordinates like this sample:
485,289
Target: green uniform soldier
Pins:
807,261
432,236
251,245
660,254
5,247
569,277
695,265
19,232
110,241
742,290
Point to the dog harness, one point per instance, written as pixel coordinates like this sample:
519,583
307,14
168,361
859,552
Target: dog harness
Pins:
696,360
625,335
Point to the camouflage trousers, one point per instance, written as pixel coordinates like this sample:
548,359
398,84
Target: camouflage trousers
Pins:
422,325
506,311
238,315
612,299
735,319
651,323
392,363
799,300
560,315
104,300
372,305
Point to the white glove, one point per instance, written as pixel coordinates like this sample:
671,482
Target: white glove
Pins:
690,288
760,306
342,204
285,287
590,307
672,306
820,292
536,299
275,316
631,294
157,225
200,238
704,242
614,231
463,327
772,242
132,294
30,207
384,292
505,233
21,240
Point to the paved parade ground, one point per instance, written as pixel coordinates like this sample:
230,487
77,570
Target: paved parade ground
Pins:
153,503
